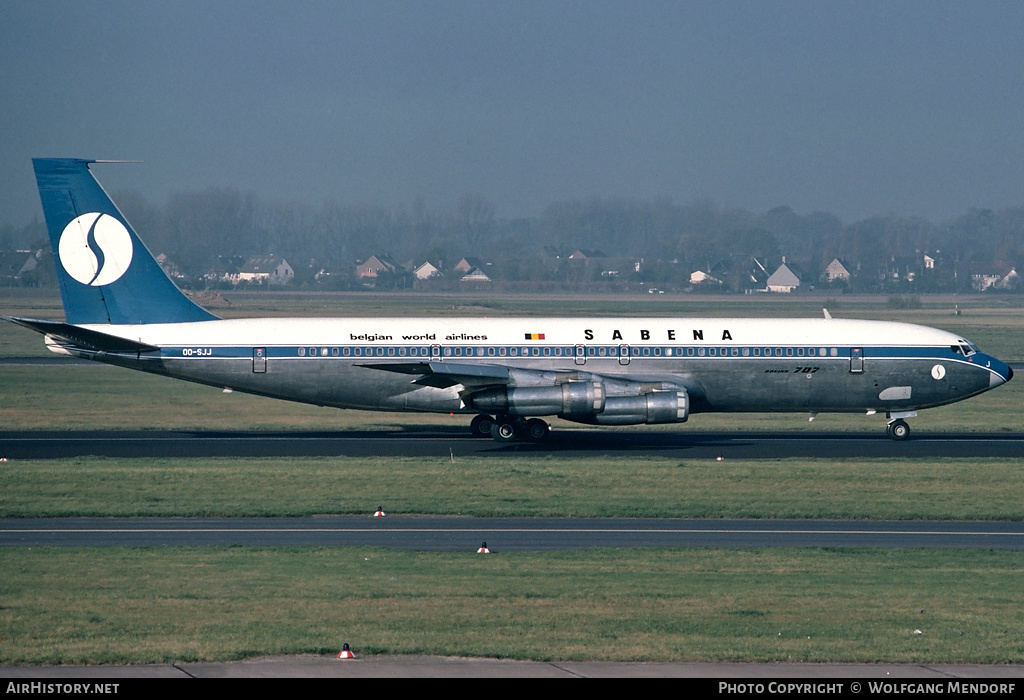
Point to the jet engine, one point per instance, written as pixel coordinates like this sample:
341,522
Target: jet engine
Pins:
653,407
586,402
568,399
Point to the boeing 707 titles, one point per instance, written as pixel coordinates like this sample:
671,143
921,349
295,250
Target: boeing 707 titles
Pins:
121,309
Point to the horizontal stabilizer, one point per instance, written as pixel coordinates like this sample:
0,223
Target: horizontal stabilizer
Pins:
82,337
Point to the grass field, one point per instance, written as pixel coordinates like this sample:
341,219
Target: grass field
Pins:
113,605
597,486
166,604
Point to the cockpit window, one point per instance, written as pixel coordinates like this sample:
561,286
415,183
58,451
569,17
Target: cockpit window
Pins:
965,348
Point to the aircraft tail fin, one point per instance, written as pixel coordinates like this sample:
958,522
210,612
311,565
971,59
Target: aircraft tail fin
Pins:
105,272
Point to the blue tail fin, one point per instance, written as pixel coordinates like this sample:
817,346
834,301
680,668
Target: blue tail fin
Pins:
106,274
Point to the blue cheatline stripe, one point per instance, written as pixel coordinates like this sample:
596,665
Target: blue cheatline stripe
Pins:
493,353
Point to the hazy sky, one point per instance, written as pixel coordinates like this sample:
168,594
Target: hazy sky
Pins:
856,108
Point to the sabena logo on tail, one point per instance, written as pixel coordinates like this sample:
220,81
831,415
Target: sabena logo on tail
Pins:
95,249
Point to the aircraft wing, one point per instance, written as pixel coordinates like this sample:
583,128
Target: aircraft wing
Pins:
475,377
445,374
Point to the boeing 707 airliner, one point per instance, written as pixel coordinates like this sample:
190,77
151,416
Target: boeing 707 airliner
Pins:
121,309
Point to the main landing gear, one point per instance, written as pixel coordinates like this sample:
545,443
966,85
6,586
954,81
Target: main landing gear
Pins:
898,429
510,428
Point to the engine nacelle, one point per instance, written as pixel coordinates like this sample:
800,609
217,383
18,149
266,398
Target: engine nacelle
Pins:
654,407
585,402
571,399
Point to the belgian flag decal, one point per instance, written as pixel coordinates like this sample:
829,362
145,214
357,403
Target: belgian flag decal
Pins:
535,336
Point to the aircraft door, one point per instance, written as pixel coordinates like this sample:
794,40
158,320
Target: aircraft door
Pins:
580,355
259,360
623,354
856,360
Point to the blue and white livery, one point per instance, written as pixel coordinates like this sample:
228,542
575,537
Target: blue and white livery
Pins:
121,309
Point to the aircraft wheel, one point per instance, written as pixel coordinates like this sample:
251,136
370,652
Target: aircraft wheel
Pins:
504,430
481,426
898,430
536,430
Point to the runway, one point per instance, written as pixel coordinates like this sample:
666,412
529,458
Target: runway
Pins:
459,534
432,442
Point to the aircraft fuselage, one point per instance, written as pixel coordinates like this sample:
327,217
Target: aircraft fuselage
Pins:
724,365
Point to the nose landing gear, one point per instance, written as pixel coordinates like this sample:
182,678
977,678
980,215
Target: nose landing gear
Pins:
898,429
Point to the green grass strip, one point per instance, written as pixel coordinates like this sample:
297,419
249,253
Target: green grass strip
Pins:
599,486
72,606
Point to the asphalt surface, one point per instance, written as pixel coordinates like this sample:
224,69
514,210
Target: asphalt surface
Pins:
563,443
306,666
432,533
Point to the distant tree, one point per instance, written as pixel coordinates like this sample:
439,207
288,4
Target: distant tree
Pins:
476,219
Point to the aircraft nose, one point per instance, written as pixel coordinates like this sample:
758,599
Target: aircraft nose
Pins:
1001,373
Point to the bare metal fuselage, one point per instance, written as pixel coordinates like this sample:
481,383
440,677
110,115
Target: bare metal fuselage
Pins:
722,365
